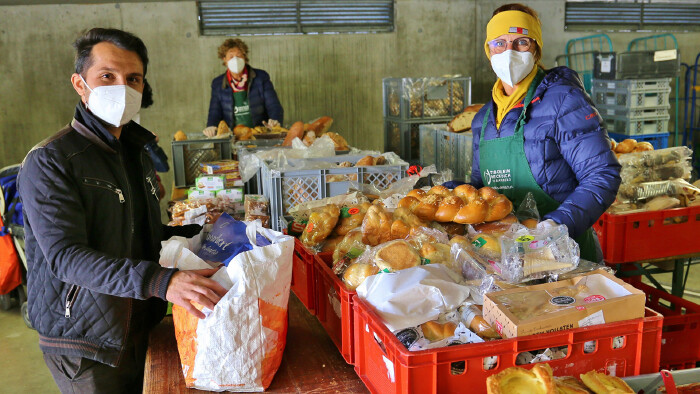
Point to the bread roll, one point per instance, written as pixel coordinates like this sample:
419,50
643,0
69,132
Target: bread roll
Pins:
309,138
530,223
356,213
353,239
296,131
601,383
408,217
626,146
496,227
395,256
331,243
369,161
461,240
376,226
436,253
569,385
356,273
338,140
487,245
399,229
434,331
538,380
320,225
452,228
180,136
643,147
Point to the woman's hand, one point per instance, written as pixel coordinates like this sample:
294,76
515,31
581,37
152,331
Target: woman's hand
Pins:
271,124
209,131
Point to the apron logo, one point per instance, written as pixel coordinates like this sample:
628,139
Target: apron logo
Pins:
498,179
242,109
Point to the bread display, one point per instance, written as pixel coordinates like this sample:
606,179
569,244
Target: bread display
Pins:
538,380
463,121
434,331
376,226
356,273
420,101
395,256
465,204
601,383
321,224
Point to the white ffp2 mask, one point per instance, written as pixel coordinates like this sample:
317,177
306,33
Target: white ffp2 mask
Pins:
512,66
236,64
114,104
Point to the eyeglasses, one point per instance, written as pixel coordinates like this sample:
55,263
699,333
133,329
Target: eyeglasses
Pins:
521,44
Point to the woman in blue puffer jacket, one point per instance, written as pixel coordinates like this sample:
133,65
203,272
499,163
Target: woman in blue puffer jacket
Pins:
540,133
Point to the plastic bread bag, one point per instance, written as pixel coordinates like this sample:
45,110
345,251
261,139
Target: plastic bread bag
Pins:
472,316
475,275
405,185
528,254
486,245
527,212
302,211
584,266
431,335
680,170
441,177
656,157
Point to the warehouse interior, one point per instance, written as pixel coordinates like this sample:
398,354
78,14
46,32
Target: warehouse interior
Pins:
338,75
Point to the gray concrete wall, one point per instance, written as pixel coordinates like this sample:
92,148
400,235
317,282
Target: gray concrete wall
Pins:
337,75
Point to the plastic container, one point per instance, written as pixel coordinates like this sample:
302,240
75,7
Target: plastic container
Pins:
455,153
634,127
649,235
428,143
632,94
403,138
658,141
648,64
423,98
680,339
386,366
604,65
303,275
334,304
291,187
618,111
188,154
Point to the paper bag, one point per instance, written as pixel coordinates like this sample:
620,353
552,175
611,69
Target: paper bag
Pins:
239,345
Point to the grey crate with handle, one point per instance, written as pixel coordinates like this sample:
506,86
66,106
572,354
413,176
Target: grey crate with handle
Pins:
188,154
286,189
426,97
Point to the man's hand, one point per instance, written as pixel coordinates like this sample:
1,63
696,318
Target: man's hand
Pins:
186,287
209,131
271,124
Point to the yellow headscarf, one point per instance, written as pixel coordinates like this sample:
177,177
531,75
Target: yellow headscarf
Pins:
511,22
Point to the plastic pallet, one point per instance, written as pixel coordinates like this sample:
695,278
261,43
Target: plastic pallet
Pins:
425,98
658,141
386,366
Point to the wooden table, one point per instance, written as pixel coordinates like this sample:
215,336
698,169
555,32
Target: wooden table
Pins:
311,362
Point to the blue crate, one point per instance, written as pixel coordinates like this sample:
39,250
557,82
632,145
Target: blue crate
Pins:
659,141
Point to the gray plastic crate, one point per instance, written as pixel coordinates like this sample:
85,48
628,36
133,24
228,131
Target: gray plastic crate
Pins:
188,154
455,153
634,85
646,64
421,98
631,127
607,111
286,189
632,100
403,138
428,143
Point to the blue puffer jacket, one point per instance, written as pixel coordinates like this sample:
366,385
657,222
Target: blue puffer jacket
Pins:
262,99
567,147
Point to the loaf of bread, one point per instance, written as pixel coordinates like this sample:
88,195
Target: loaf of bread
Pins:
538,380
498,227
630,146
296,131
395,256
321,224
376,226
331,243
338,140
463,120
569,385
601,383
321,125
464,205
356,273
368,161
309,138
434,331
353,219
353,239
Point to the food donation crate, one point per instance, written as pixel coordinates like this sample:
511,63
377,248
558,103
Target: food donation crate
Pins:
190,153
334,307
386,366
303,284
649,235
680,338
423,98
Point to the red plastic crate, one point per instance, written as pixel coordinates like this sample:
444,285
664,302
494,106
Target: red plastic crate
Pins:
680,339
303,275
334,306
386,366
649,235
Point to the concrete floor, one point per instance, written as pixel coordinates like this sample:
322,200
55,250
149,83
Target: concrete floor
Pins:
22,368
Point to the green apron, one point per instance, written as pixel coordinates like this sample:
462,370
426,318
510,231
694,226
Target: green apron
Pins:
504,167
241,109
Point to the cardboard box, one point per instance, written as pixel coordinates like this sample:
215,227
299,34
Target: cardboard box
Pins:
235,194
594,298
211,182
194,193
219,167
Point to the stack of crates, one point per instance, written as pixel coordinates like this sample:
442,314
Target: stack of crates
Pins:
634,108
410,102
446,149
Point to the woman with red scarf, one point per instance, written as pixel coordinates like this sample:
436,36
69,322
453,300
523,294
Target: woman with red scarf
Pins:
242,95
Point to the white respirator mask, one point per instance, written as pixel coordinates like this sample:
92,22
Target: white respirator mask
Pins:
512,66
114,104
236,64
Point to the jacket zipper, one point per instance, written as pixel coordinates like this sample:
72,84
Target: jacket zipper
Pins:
148,206
70,298
106,185
129,246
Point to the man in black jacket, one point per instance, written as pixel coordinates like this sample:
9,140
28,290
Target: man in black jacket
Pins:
93,230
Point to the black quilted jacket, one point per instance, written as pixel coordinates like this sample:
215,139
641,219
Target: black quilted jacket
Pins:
81,280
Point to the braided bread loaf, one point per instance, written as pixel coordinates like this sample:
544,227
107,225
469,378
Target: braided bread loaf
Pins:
465,204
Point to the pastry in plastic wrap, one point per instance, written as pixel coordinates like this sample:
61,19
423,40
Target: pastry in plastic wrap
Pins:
351,217
473,317
369,161
338,140
601,383
538,380
376,226
356,273
395,256
436,253
487,245
569,385
331,243
497,227
434,331
321,224
353,239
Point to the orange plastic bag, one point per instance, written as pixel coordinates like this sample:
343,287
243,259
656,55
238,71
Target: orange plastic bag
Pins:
10,269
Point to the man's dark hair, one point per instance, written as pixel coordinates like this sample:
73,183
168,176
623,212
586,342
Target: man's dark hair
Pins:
119,38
